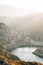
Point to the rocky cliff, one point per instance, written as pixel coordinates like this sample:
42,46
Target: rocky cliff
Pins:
7,40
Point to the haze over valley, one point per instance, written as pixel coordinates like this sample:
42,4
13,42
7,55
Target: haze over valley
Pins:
27,26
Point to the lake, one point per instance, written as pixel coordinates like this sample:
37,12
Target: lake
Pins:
26,54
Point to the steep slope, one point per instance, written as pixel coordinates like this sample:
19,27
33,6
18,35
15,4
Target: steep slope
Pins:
7,40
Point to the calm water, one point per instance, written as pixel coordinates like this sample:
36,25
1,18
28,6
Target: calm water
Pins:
26,54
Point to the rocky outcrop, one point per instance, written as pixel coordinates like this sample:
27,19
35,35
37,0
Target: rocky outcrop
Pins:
7,40
8,55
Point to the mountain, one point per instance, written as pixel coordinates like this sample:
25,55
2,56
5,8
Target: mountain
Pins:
7,39
32,24
28,29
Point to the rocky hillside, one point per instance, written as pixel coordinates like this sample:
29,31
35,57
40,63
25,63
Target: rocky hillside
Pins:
7,40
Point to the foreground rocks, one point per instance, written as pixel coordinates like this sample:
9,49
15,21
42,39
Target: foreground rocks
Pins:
17,62
8,55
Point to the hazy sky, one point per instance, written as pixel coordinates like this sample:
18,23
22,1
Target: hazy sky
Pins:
31,5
